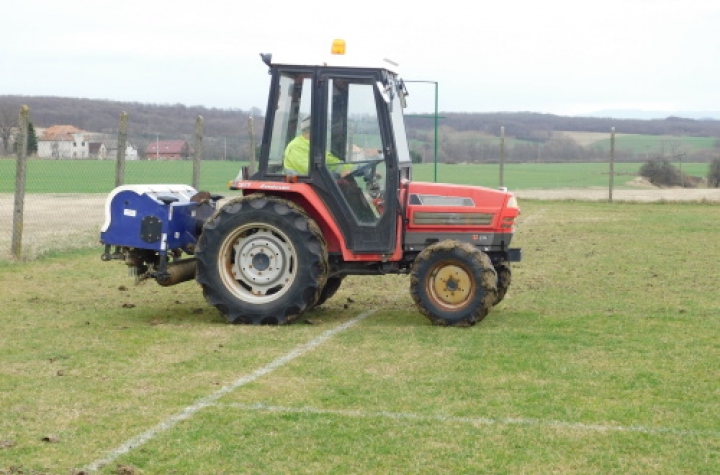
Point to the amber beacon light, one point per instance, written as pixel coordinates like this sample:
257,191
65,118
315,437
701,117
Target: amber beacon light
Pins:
338,47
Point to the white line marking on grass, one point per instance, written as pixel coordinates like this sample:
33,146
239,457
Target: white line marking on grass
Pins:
210,400
474,420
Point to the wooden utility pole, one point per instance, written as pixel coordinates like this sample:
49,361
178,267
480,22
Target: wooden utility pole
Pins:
612,164
502,157
20,170
121,147
199,131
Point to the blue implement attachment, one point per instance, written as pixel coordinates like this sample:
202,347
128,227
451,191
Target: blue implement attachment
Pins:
153,217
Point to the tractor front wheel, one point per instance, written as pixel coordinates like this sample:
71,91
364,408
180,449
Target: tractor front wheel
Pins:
261,260
453,283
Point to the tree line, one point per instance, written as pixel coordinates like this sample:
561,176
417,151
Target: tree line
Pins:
534,126
463,137
226,132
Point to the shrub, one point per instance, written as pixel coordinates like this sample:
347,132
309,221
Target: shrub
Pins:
660,172
713,177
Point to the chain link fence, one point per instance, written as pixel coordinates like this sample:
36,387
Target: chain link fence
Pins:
57,203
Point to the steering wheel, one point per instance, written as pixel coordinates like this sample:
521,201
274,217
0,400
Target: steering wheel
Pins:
366,170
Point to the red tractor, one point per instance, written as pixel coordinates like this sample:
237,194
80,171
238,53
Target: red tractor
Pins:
333,196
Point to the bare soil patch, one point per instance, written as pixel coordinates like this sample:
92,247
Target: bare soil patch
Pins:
645,195
587,138
53,222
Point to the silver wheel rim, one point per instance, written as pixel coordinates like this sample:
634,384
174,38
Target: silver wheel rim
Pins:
258,263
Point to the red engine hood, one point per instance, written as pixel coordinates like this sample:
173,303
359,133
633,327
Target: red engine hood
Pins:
433,205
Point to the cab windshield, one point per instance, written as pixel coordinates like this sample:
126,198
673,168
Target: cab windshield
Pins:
398,120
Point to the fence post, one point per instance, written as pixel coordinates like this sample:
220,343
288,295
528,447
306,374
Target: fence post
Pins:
502,157
199,130
251,133
122,146
612,164
20,170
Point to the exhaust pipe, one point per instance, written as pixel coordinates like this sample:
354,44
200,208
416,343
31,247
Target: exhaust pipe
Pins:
178,272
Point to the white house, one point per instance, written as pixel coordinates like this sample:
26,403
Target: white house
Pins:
67,141
63,141
131,152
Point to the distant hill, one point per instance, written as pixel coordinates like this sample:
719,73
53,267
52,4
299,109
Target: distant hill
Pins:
226,130
102,115
649,115
538,127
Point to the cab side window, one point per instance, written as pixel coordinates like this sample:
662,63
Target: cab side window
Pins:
292,113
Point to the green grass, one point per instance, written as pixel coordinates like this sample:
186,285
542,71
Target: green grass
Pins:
602,359
92,176
522,176
95,176
657,144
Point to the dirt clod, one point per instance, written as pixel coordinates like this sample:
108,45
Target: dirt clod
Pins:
126,470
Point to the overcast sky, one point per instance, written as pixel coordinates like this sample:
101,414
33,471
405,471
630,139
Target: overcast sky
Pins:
555,56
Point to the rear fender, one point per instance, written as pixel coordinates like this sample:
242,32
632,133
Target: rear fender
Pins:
304,196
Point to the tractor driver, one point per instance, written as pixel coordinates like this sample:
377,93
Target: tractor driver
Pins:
297,154
296,162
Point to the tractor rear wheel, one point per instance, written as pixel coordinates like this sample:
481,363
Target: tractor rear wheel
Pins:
504,277
261,260
331,286
453,283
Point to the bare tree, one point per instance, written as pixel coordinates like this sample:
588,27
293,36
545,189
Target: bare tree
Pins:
8,120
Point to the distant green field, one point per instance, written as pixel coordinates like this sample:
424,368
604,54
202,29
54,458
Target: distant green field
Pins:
522,176
666,144
92,176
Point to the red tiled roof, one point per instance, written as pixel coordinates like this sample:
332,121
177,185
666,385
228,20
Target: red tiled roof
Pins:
166,147
60,132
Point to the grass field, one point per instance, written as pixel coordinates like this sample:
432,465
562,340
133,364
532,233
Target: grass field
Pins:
93,176
638,143
602,359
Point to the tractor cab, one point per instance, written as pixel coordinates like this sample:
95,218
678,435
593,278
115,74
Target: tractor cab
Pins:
341,130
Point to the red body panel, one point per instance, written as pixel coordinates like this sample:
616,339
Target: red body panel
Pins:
462,208
304,196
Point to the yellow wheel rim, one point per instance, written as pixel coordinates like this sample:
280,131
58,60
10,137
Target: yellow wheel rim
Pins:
450,285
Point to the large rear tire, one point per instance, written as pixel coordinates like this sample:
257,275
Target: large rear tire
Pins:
331,287
453,283
504,277
261,260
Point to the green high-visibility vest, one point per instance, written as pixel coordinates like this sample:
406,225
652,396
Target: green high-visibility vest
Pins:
297,157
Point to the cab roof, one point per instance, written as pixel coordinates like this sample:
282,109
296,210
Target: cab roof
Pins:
337,58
